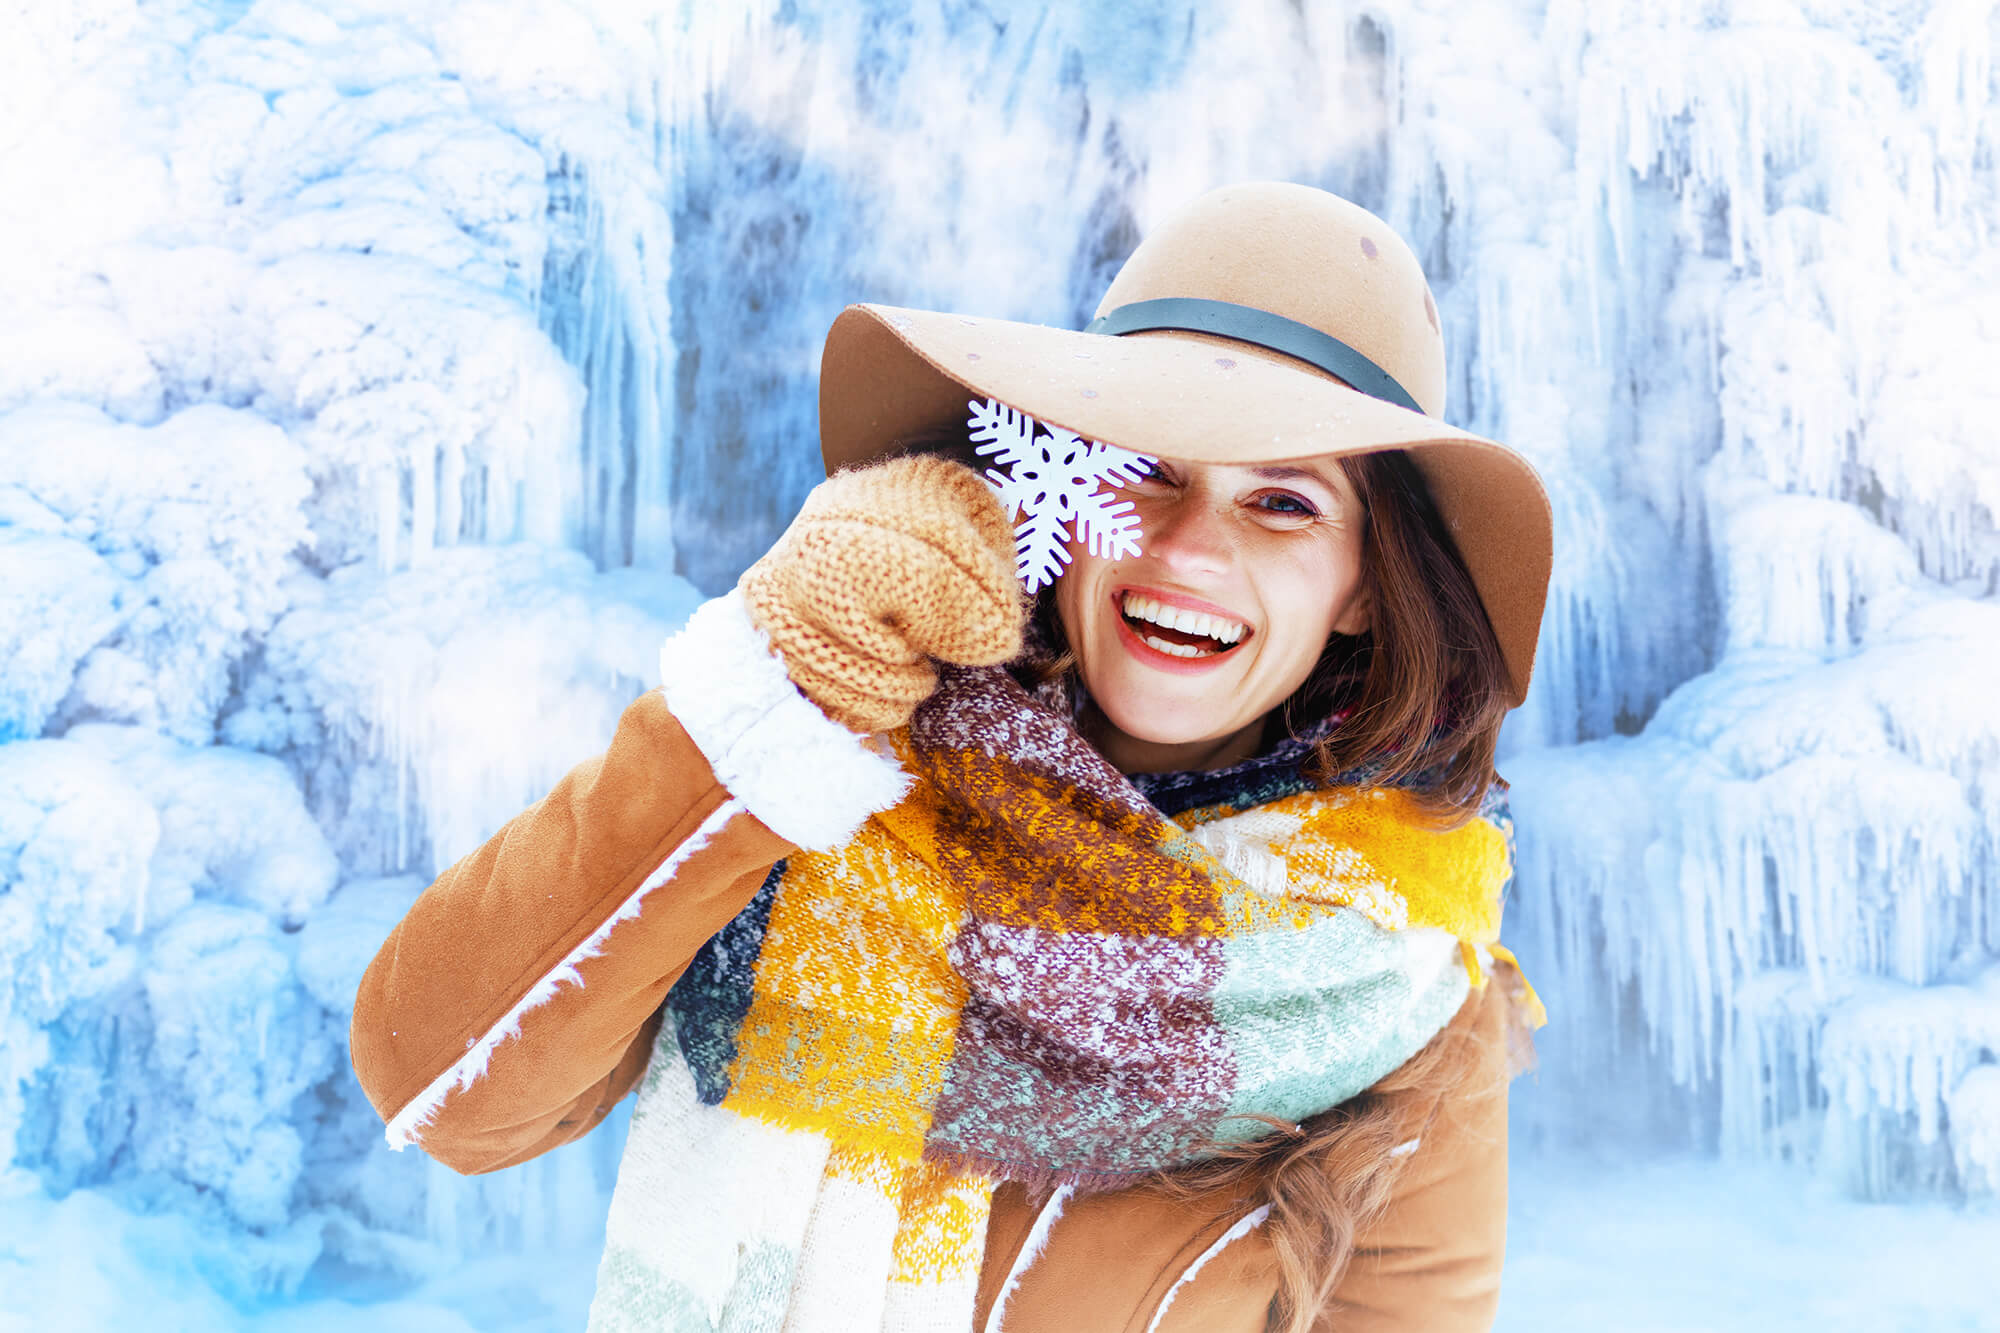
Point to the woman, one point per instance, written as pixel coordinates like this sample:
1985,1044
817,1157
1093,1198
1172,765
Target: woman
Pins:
1149,980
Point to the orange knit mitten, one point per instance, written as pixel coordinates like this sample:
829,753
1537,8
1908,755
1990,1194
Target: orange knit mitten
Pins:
884,568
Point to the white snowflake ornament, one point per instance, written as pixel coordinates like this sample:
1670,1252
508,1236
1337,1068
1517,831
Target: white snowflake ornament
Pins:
1055,482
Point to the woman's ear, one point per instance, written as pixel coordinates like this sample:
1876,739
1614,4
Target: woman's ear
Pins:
1357,616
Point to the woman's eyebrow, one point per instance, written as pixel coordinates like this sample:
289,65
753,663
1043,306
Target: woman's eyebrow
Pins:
1280,472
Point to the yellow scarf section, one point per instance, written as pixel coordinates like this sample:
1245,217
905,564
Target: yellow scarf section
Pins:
1410,873
1368,850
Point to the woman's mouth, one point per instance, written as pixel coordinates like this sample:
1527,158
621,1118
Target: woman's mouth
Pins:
1178,631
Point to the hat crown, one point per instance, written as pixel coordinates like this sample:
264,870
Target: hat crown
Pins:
1308,256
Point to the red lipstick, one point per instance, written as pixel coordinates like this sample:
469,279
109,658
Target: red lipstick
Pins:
1153,657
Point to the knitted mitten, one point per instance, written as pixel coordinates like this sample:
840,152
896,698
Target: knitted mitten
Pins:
884,568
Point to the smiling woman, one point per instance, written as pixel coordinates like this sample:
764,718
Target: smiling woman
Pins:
1122,957
1302,590
1246,574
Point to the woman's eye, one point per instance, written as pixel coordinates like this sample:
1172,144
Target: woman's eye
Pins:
1150,470
1291,506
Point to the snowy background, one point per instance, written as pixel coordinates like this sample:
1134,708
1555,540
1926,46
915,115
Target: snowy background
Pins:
380,381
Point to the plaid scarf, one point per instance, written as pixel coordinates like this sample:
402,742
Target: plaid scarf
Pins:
1026,970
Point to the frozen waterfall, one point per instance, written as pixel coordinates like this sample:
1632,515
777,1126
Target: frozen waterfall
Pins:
380,382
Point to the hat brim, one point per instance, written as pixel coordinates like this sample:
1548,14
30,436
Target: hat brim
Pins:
888,373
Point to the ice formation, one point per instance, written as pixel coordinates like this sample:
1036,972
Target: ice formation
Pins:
370,369
1794,896
332,529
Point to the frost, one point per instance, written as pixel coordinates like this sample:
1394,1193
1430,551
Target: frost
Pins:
75,840
235,1042
1057,483
1975,1128
339,940
1775,882
397,698
1804,572
58,600
194,521
232,826
366,367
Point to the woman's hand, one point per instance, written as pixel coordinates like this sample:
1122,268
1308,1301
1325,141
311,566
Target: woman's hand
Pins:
884,568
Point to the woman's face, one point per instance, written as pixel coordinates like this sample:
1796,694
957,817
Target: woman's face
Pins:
1244,573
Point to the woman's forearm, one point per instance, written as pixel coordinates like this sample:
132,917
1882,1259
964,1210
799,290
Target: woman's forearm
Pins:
517,999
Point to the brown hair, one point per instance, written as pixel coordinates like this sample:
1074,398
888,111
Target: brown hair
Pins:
1425,689
1424,692
1328,1179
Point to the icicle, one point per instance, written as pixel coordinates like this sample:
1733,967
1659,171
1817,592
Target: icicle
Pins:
1975,1130
1800,572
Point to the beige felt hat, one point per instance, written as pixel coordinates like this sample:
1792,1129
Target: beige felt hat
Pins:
1265,322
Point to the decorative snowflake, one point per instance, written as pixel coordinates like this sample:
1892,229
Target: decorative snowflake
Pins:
1056,484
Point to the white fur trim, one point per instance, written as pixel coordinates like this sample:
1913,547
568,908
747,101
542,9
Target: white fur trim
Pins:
408,1124
810,779
1031,1250
1244,1226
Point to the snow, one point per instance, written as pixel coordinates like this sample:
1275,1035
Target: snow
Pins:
381,383
232,826
58,600
1668,1244
195,519
1975,1120
103,1267
337,942
75,838
400,697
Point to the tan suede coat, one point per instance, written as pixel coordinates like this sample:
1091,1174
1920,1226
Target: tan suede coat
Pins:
509,1013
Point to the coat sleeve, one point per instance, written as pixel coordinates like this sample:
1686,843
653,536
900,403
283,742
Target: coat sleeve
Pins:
518,998
1431,1262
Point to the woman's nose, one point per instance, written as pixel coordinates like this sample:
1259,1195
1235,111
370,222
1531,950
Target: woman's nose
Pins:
1186,535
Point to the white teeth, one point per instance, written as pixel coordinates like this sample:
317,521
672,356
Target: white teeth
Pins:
1140,607
1177,649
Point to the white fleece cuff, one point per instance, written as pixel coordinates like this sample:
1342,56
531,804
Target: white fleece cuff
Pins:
811,780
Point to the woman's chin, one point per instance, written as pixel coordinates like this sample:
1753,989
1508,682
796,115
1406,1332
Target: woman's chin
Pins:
1163,735
1164,712
1160,708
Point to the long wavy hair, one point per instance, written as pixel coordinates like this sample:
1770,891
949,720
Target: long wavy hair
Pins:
1419,699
